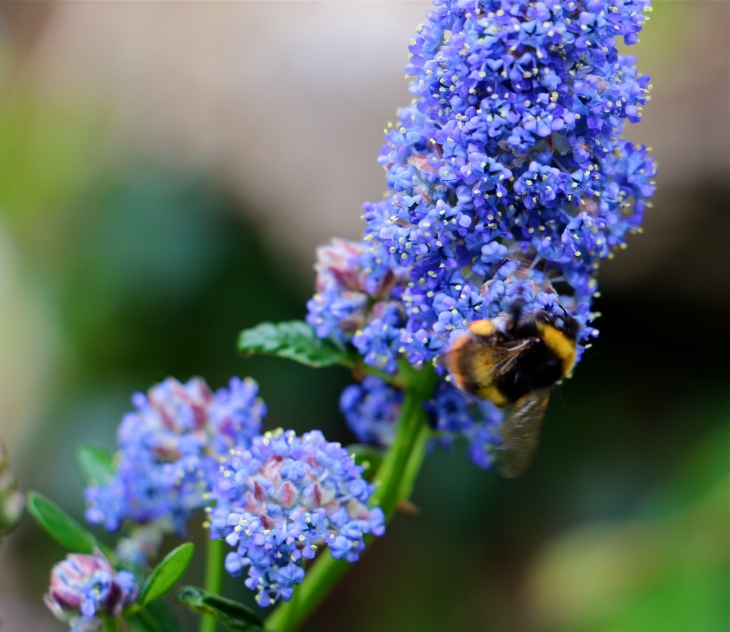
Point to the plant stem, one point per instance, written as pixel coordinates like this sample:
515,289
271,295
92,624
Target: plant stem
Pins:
413,467
213,579
395,478
110,625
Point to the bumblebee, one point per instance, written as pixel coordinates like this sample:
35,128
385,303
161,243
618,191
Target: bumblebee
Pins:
514,361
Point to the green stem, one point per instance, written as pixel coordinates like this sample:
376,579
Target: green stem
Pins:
110,625
413,467
395,477
213,579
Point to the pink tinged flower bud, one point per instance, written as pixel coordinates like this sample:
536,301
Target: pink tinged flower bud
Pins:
287,494
83,588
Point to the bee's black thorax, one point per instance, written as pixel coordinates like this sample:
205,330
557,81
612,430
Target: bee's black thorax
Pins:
536,368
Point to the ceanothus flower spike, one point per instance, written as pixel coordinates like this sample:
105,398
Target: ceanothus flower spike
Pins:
509,179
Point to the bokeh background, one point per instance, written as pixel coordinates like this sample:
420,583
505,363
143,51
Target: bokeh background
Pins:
166,171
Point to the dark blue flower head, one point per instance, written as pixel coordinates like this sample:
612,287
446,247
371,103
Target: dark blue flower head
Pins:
85,588
282,498
454,414
371,410
168,453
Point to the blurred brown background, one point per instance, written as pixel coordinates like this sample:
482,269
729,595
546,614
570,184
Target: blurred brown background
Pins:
166,170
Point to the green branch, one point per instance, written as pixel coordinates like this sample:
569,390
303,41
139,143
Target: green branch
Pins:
213,580
110,625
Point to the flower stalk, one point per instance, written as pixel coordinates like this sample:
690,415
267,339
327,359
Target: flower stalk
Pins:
213,579
111,625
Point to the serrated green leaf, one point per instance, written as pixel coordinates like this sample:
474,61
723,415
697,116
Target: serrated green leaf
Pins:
368,456
235,616
294,340
167,574
59,525
95,464
156,616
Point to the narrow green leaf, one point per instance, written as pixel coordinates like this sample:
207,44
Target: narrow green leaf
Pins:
294,340
368,456
95,464
235,616
167,574
59,525
156,616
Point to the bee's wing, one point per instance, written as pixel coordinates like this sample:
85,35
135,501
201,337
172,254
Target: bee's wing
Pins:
520,433
507,353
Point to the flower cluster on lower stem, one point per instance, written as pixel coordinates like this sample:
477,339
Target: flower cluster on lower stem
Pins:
168,457
280,500
85,588
454,414
373,407
371,410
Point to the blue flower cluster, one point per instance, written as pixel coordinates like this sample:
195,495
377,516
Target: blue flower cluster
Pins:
509,180
372,409
85,588
358,290
280,499
168,456
454,414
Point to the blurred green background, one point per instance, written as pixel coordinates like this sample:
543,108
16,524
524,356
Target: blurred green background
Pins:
165,173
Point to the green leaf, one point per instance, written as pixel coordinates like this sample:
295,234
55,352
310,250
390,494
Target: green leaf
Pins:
167,574
59,525
156,616
368,456
294,340
235,616
96,464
